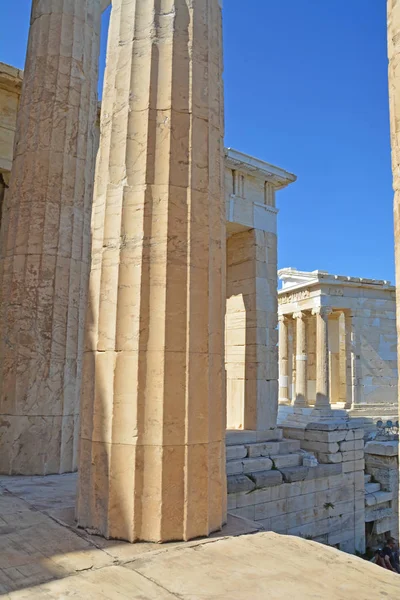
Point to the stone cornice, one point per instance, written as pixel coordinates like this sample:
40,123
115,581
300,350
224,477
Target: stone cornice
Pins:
256,167
300,280
10,78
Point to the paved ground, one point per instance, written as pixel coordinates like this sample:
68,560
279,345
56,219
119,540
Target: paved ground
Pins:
43,556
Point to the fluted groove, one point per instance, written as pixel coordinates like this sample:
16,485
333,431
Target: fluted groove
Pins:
153,406
45,243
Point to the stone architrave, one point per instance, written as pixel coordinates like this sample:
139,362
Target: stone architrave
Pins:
283,360
152,454
45,247
393,14
301,360
322,358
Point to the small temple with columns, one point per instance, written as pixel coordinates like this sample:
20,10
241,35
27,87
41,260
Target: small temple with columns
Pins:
337,346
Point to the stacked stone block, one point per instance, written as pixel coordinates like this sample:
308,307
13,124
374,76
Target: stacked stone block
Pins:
382,489
282,493
251,334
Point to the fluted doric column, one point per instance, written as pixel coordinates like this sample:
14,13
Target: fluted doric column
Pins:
283,360
44,265
393,12
152,460
301,360
322,358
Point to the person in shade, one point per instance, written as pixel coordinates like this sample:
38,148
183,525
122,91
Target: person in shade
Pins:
389,555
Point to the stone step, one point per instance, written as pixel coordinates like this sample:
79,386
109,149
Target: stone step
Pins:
282,461
378,513
371,488
236,437
261,449
248,465
367,479
378,498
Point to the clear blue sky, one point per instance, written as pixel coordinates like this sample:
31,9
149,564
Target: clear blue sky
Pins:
305,89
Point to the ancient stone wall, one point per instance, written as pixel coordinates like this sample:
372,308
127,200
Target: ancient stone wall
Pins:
287,490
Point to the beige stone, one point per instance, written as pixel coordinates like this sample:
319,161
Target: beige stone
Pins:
44,260
152,464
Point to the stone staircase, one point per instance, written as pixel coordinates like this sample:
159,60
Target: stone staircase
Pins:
378,508
262,457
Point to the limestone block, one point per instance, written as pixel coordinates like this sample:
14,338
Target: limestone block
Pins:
388,478
327,437
324,470
265,479
244,436
282,461
309,486
234,467
257,496
382,448
252,465
270,509
378,498
239,483
376,514
287,446
384,525
235,452
353,465
295,433
299,503
293,474
374,461
354,445
334,426
353,455
330,458
359,483
325,447
342,494
264,449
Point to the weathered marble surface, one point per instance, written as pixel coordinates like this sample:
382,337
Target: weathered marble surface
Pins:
41,559
44,261
153,422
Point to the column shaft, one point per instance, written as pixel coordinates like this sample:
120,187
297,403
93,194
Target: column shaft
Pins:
322,358
393,20
301,360
45,247
152,460
283,360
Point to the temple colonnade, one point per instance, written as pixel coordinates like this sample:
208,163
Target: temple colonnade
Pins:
315,359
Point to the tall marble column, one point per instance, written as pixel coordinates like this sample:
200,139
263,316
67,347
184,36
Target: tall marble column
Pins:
45,247
322,358
346,324
393,13
301,360
283,360
152,454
